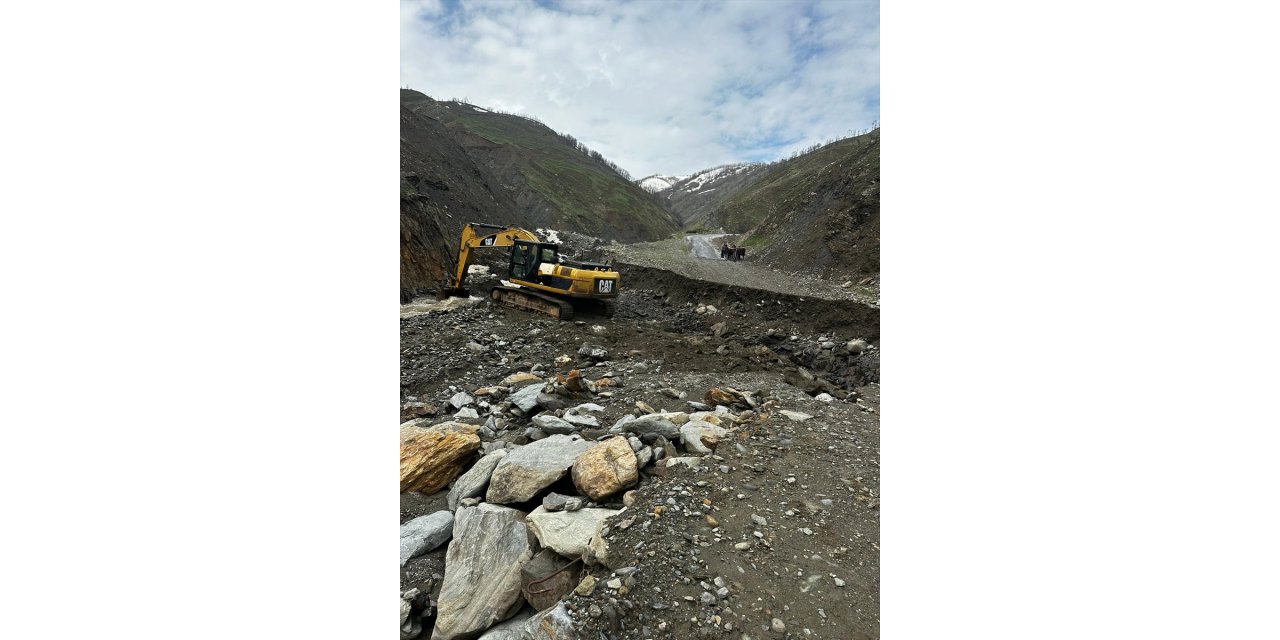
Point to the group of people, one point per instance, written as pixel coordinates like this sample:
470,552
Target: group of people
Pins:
730,252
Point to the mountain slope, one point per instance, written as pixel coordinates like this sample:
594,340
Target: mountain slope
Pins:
694,198
441,189
552,180
819,211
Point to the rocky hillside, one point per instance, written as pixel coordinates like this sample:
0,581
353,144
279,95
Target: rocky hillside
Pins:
550,179
694,199
818,212
441,189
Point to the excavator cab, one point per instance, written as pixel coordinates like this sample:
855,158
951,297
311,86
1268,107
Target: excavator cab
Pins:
527,257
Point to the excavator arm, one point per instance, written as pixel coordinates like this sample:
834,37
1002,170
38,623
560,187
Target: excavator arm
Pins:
476,234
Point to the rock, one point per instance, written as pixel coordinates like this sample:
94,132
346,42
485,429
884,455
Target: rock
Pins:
839,582
724,396
574,503
567,532
795,415
563,362
461,399
410,628
760,520
482,571
473,483
629,498
411,410
712,309
552,624
517,378
593,352
510,629
824,397
654,423
589,406
486,391
778,626
554,501
423,534
581,421
698,406
707,599
698,435
643,457
587,585
856,346
526,398
673,393
598,551
476,347
705,416
606,468
551,401
689,461
551,424
432,457
644,406
534,467
614,584
466,413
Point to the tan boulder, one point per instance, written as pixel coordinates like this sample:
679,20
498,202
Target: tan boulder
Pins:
605,469
517,378
431,457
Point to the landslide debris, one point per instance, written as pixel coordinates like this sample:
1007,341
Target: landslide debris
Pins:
700,465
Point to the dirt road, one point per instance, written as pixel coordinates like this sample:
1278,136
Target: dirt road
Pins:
704,245
697,256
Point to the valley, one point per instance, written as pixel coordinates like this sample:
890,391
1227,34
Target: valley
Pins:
702,464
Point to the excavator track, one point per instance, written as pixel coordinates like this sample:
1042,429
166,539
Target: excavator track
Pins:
533,301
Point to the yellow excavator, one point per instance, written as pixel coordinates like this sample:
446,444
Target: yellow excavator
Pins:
544,280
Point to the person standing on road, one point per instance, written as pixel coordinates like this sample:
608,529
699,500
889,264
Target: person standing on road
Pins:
724,250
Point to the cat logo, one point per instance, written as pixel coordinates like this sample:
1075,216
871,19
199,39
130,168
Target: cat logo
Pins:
488,242
604,286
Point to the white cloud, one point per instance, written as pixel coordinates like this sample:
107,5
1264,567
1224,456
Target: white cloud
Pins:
657,87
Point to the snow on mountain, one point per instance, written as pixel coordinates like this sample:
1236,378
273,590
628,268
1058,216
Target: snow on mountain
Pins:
701,179
656,183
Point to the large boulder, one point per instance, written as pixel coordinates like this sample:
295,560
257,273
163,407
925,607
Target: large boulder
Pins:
482,571
550,423
701,437
423,534
526,398
473,483
567,532
432,457
653,423
512,628
606,468
535,466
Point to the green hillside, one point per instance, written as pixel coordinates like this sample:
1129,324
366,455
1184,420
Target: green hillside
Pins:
552,180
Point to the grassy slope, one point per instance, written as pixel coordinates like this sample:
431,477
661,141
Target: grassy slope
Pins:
549,176
820,211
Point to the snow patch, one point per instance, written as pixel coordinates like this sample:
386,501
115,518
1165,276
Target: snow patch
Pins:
480,110
549,235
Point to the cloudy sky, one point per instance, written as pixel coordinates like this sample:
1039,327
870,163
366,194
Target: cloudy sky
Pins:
657,87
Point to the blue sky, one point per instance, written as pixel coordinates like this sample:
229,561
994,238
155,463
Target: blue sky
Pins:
657,87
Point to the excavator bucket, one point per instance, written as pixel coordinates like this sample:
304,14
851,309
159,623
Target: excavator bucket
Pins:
446,292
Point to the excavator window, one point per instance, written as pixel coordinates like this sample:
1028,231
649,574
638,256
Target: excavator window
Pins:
524,260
